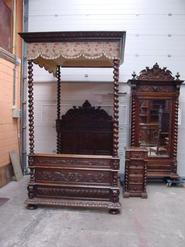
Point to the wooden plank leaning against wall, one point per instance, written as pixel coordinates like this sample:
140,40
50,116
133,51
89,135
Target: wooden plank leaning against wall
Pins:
9,84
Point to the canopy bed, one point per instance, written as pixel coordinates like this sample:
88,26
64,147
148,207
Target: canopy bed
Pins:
84,171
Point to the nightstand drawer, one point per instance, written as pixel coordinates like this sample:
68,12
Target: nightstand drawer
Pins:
136,171
135,187
135,178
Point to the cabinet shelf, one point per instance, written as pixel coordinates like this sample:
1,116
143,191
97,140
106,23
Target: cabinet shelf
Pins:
149,124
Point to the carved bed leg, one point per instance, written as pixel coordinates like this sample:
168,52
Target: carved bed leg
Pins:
31,206
114,211
114,199
31,195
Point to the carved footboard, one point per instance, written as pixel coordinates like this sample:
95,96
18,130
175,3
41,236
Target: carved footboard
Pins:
74,180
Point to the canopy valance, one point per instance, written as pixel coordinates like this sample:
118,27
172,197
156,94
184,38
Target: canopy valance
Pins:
74,49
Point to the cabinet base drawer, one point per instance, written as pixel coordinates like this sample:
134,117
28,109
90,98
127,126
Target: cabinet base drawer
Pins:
135,194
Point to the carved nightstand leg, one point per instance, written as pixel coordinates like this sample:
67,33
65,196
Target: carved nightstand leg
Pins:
126,194
144,195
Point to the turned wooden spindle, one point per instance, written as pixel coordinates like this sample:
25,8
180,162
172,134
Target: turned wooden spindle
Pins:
58,91
30,107
175,125
116,107
133,121
126,177
145,177
58,107
175,128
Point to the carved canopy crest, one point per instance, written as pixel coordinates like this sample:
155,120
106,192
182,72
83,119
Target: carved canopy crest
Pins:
155,74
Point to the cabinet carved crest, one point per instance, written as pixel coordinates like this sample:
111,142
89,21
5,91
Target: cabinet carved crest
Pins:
155,73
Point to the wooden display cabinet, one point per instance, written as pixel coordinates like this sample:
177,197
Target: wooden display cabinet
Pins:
154,119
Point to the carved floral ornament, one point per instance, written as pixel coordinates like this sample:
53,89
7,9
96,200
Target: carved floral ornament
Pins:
50,54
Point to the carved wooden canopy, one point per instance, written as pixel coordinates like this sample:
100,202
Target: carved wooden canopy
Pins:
74,49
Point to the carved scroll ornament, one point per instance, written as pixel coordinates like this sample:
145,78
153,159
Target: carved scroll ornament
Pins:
74,177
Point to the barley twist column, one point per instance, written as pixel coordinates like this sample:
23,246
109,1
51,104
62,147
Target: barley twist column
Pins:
116,107
175,134
175,127
30,107
58,108
133,120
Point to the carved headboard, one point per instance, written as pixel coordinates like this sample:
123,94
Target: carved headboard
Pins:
85,130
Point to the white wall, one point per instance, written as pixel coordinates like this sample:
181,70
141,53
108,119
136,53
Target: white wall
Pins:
155,33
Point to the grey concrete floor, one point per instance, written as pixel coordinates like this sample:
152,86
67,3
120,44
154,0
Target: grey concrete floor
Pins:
158,221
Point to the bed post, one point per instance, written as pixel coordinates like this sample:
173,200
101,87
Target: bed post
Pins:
116,108
115,190
30,108
30,188
58,107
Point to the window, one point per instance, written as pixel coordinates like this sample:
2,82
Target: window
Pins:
5,26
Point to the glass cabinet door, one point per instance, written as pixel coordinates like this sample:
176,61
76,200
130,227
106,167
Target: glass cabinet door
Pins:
154,126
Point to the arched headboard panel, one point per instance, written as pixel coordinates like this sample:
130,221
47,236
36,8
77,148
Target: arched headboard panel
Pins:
86,130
